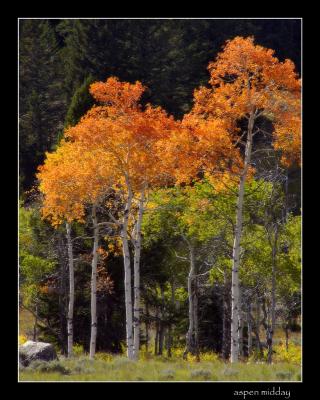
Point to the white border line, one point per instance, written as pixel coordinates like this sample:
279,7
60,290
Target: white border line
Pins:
301,183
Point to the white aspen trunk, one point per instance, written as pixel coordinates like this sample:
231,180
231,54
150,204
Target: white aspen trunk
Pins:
173,303
162,327
127,275
249,331
156,338
225,346
189,336
71,291
287,337
93,337
234,354
273,295
240,327
136,283
196,320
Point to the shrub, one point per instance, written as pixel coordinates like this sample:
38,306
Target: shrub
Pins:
292,356
167,374
230,372
52,366
201,373
122,362
177,352
78,349
284,375
82,369
209,356
104,357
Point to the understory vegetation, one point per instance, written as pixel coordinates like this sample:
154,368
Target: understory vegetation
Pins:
151,368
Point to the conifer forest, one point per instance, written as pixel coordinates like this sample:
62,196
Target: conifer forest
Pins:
159,199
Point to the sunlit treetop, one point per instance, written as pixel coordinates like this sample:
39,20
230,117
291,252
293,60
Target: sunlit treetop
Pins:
120,95
125,133
248,79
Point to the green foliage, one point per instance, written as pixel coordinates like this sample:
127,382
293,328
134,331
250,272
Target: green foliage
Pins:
33,267
80,103
78,349
41,105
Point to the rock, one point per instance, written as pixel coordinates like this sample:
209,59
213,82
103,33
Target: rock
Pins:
31,351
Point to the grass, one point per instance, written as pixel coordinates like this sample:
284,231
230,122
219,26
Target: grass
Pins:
108,367
119,368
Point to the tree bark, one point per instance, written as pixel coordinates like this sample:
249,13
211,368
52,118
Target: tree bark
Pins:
190,334
62,301
127,276
93,337
136,284
236,248
249,330
71,291
147,326
156,339
240,328
170,338
287,336
225,316
273,296
162,325
196,320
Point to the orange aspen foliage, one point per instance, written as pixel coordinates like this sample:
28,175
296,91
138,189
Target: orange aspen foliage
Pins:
126,134
247,78
198,145
71,178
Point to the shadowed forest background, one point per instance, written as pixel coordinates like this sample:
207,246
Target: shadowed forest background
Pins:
58,60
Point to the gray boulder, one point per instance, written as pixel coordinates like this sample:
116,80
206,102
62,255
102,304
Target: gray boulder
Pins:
31,351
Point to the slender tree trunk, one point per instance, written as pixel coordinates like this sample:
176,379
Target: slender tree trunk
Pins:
71,291
287,336
93,337
161,338
62,301
137,256
225,317
156,339
127,276
170,338
236,248
240,334
249,330
255,330
190,333
147,327
196,320
273,295
162,324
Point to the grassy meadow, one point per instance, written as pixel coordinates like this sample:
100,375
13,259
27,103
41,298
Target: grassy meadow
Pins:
108,367
120,368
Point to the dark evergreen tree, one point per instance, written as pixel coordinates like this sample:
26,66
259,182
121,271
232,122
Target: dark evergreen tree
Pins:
40,102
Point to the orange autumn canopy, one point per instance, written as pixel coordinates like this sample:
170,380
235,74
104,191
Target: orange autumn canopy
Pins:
247,78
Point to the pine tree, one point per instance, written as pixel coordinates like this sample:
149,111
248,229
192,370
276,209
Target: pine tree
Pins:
40,100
